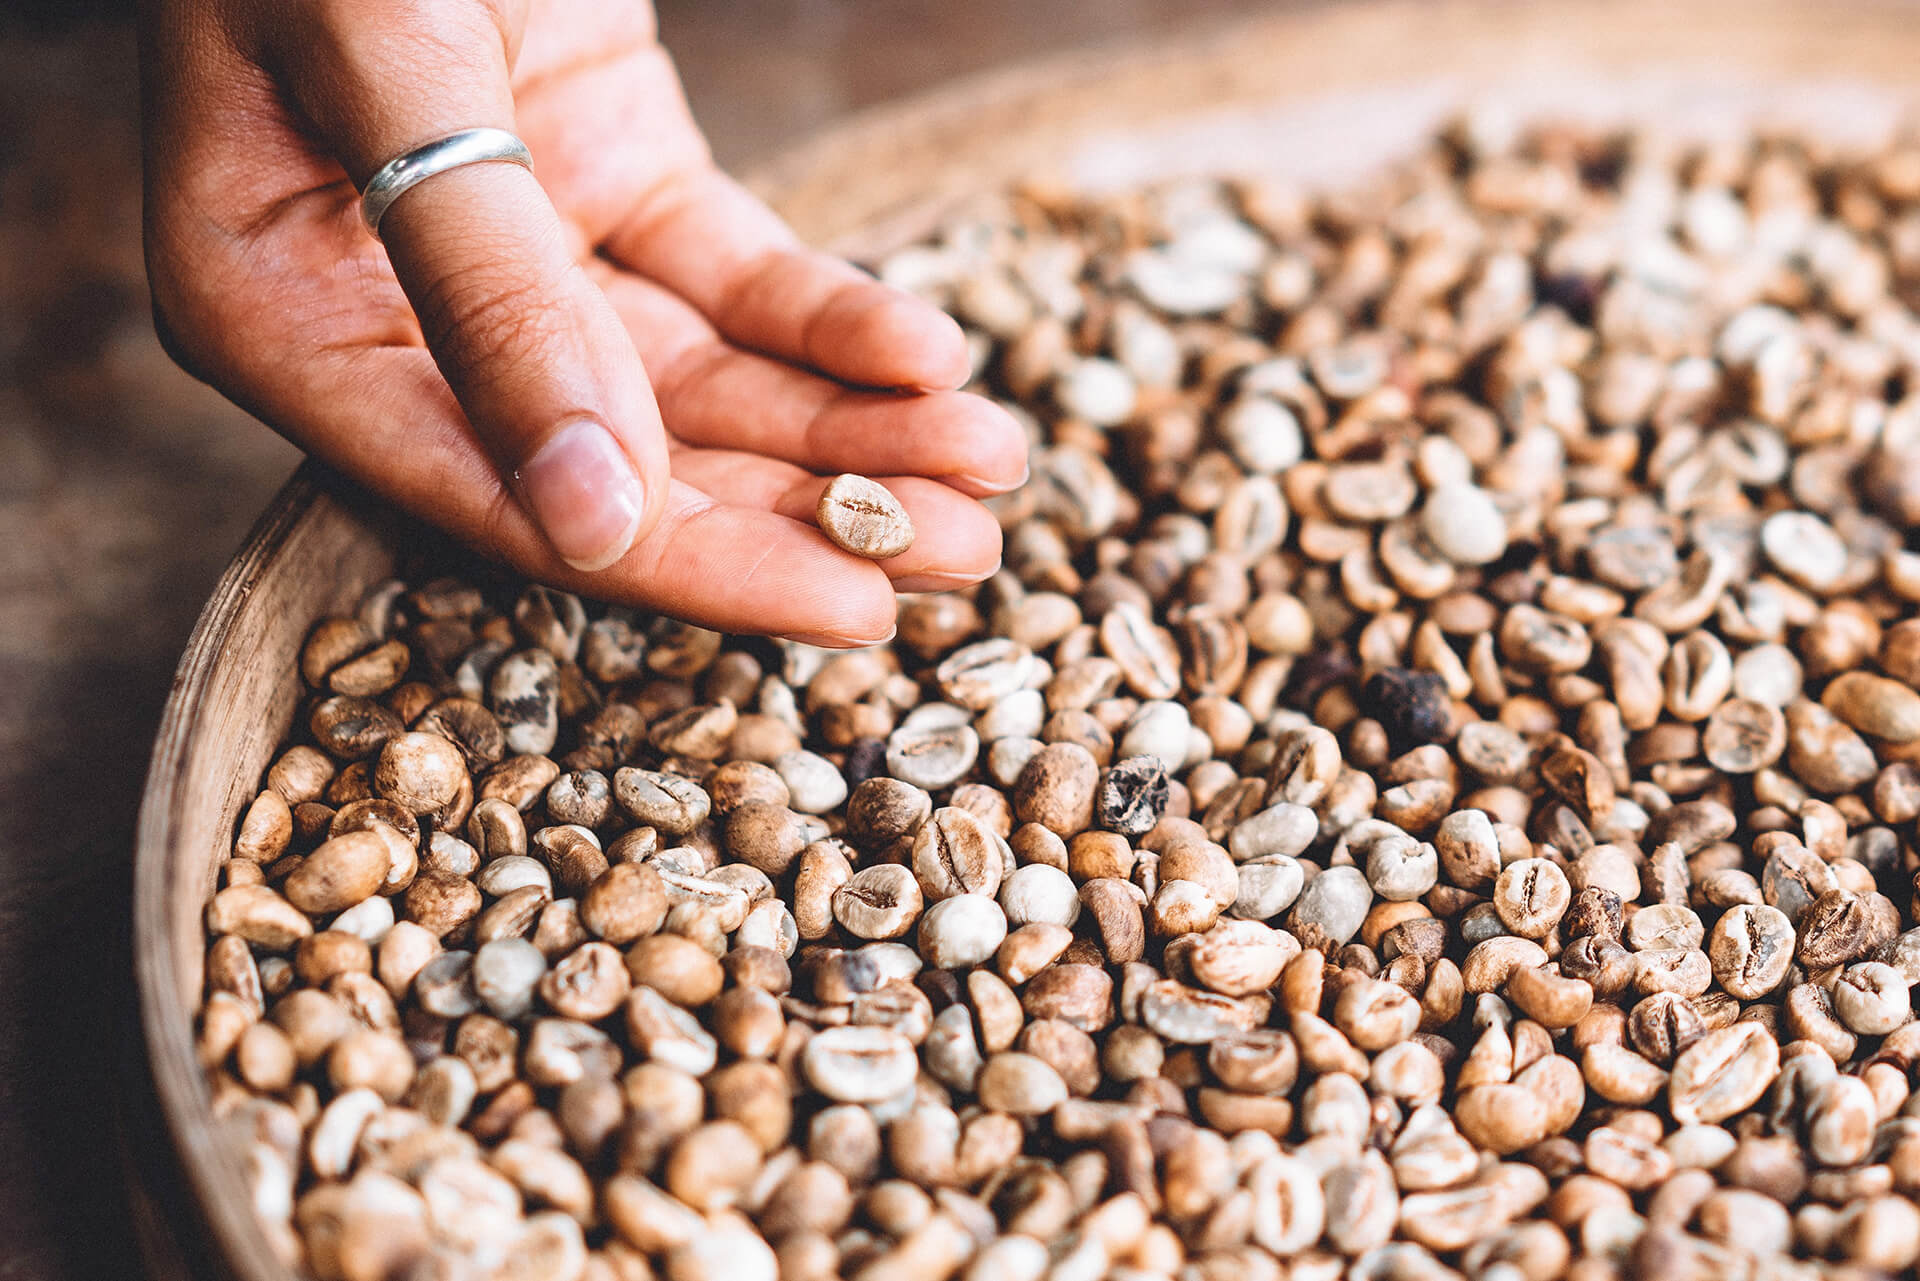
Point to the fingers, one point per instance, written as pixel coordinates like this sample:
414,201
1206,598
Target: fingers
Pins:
539,360
711,241
384,416
716,398
956,540
741,570
715,395
540,363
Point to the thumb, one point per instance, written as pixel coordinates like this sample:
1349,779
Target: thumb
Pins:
539,360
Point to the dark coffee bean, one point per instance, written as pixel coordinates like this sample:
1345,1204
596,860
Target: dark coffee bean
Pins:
1132,796
866,758
1596,911
1413,706
942,987
1834,930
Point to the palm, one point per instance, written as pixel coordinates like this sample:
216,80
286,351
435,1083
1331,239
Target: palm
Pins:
755,352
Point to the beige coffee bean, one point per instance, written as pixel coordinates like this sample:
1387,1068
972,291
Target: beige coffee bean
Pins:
1840,1121
1874,705
1804,547
962,930
422,772
1872,998
1188,1016
955,853
862,516
259,915
878,902
588,984
666,1033
344,871
1531,896
1375,1014
1239,958
933,757
1721,1073
1552,999
980,675
1751,949
1147,655
1020,1085
1288,1209
859,1064
666,802
1619,1075
1743,736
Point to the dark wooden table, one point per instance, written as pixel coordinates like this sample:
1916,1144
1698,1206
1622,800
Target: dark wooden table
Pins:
124,488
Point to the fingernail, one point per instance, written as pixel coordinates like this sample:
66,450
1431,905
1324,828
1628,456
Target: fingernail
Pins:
826,640
996,486
936,581
582,490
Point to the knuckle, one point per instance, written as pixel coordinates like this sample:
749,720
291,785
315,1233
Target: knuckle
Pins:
758,282
182,349
186,316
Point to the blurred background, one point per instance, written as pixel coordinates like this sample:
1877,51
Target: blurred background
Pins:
125,487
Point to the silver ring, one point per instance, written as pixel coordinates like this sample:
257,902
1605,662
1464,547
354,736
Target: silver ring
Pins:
468,147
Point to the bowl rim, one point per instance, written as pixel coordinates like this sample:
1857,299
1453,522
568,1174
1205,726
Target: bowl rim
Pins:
173,1070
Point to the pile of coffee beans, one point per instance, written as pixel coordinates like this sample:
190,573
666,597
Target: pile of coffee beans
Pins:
1430,794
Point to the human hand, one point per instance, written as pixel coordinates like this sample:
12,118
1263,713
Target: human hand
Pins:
627,378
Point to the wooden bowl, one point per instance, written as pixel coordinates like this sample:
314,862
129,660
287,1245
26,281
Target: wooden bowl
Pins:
1315,94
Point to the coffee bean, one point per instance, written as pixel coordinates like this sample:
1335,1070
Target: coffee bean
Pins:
1412,705
1751,950
668,802
878,902
1722,1072
932,758
1057,789
1744,736
1834,930
1133,795
859,1064
1531,896
863,517
1332,906
1148,658
955,853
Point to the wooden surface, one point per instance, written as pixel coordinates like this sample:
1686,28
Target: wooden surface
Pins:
1258,93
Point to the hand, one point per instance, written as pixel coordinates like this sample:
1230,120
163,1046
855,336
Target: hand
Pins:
626,377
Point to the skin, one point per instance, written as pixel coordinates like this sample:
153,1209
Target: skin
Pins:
624,376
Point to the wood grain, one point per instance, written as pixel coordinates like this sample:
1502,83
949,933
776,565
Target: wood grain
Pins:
1289,94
